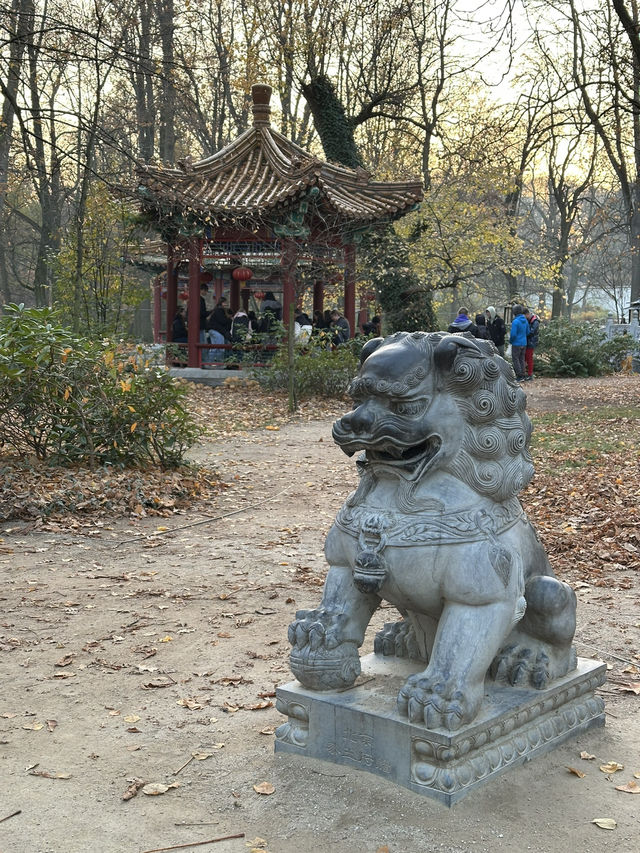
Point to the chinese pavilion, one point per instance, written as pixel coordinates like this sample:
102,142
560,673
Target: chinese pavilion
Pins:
263,203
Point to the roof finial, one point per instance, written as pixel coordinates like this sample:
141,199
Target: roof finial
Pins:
261,95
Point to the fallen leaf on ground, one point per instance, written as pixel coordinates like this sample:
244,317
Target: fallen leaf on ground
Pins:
51,724
131,718
268,730
611,767
257,706
190,702
629,687
200,756
34,727
65,661
133,789
264,788
47,775
586,756
577,773
153,789
630,788
605,822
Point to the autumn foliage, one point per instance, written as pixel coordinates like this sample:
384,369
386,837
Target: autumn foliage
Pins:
66,399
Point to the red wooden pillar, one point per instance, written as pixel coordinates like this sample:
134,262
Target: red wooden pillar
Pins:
350,285
157,308
289,261
234,295
172,291
318,296
193,329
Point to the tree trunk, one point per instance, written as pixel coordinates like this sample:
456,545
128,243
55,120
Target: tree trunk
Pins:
141,76
21,18
331,122
167,141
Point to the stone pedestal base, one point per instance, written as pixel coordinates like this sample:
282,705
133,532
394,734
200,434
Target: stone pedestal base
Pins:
360,727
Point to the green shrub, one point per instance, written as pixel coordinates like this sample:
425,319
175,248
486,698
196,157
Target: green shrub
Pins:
68,399
319,370
579,349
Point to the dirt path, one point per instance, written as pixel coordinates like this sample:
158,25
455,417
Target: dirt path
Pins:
123,654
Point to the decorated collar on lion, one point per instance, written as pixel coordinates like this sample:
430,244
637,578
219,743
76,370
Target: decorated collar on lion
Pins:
435,402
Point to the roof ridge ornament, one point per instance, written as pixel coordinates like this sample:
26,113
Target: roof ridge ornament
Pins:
261,96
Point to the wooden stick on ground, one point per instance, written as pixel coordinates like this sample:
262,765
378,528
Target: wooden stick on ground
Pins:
194,843
13,814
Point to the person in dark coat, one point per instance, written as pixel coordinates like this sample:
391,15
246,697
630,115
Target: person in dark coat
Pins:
482,332
462,323
533,336
497,329
340,327
179,328
219,321
271,305
318,320
219,326
204,311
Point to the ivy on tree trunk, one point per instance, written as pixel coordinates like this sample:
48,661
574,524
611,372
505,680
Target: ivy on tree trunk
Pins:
406,303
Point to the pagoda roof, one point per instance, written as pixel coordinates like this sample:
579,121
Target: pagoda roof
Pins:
262,175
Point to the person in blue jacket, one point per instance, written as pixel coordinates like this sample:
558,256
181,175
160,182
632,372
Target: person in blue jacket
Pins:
518,341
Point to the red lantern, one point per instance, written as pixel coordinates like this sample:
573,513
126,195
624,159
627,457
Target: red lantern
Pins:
242,274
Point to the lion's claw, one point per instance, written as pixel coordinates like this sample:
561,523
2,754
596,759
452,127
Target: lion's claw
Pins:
520,667
317,635
437,704
397,639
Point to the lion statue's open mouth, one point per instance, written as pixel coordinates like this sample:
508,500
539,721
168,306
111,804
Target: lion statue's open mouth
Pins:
389,451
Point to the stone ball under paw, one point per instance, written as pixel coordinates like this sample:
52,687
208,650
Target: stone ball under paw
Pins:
326,669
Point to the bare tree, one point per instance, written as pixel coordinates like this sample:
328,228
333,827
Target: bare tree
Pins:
18,22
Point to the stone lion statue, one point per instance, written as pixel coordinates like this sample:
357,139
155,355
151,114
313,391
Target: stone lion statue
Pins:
436,529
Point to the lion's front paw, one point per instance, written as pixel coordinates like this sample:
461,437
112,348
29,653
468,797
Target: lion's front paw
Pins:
320,658
440,705
317,628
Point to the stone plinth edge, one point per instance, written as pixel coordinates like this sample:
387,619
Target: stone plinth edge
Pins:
361,728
